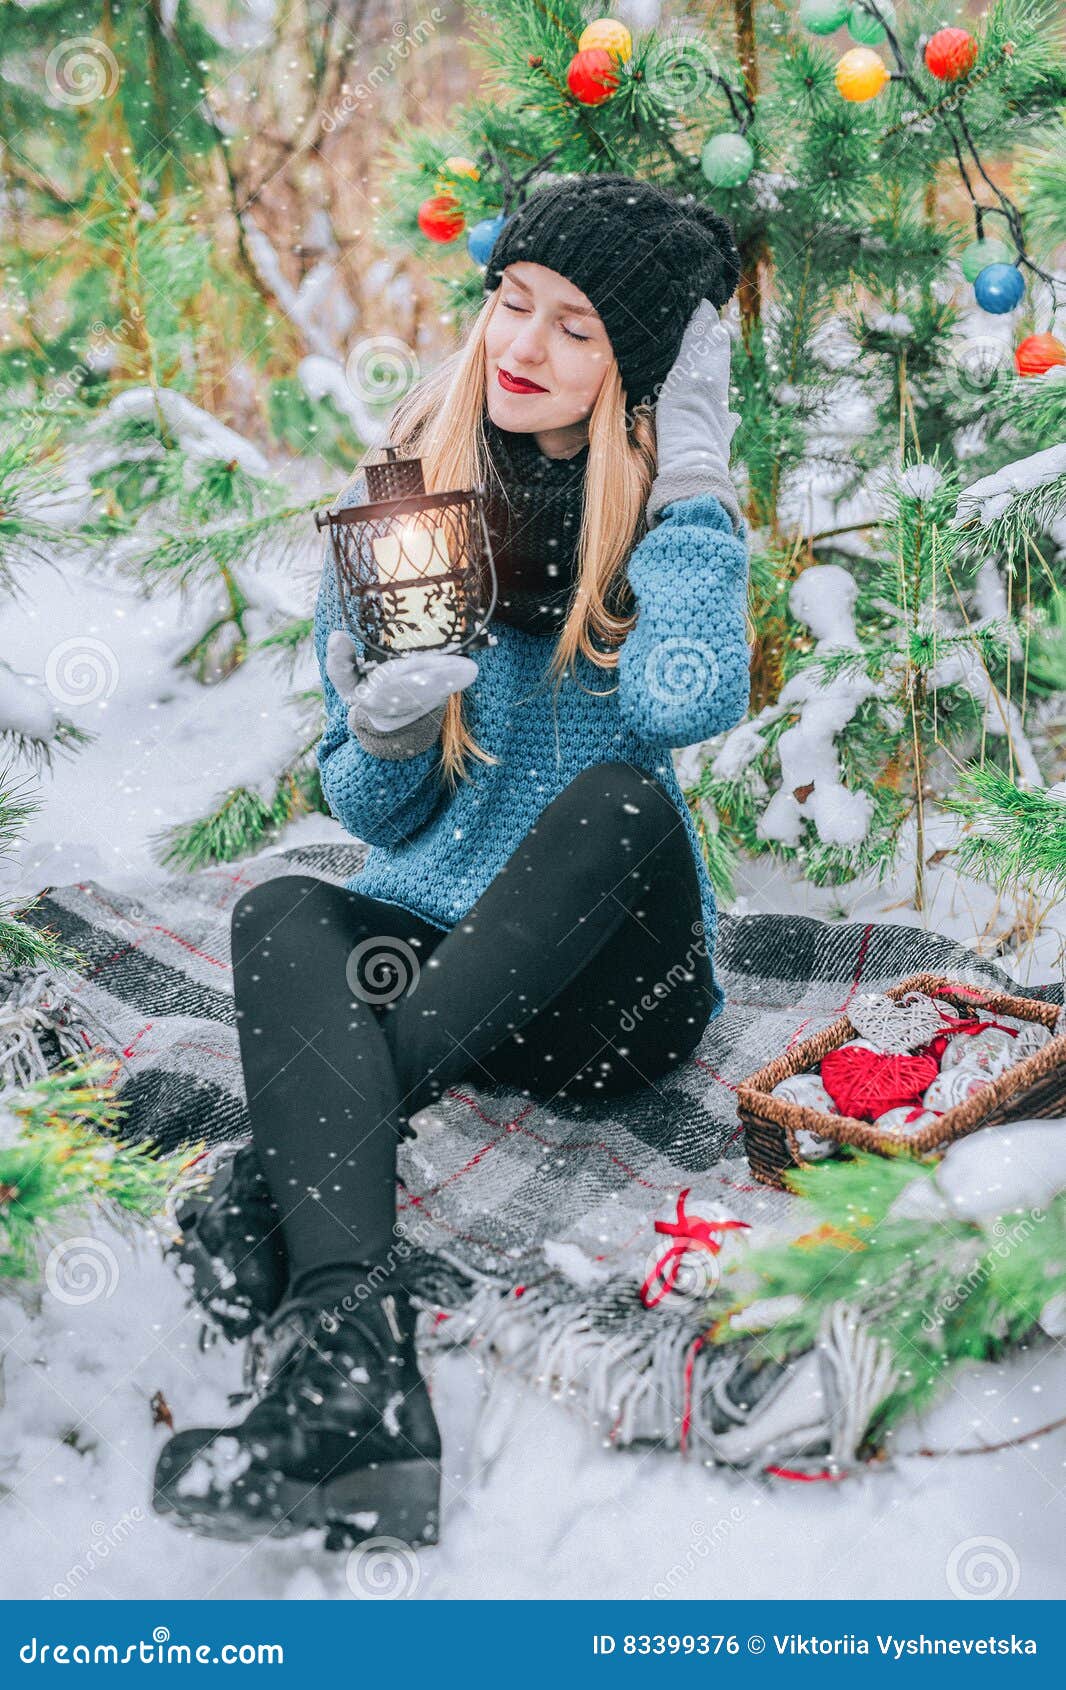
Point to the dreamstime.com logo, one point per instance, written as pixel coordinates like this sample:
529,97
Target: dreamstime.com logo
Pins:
81,70
81,670
381,968
982,1569
683,970
105,1541
681,667
160,1650
405,37
370,1283
81,1270
383,1569
1007,1235
703,1541
381,368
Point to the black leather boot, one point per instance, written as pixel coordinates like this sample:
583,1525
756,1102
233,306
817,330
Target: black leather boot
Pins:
343,1436
231,1252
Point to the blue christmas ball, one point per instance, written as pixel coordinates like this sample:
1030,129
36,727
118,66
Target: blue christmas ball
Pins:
482,238
999,288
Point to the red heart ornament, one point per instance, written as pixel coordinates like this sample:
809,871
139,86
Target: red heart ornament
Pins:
867,1083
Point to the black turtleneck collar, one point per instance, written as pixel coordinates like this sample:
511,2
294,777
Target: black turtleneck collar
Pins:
534,525
527,463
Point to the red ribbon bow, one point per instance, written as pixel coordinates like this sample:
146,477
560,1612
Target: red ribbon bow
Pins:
967,1024
692,1233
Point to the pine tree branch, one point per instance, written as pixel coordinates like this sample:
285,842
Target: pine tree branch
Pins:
993,1449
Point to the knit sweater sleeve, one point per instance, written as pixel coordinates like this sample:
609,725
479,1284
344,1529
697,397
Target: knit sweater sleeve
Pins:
683,669
381,799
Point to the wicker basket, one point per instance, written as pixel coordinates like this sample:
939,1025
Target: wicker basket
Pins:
1035,1086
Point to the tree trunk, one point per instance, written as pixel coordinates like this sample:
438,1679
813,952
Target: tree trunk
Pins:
754,251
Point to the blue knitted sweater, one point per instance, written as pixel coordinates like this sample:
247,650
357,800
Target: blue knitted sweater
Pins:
682,676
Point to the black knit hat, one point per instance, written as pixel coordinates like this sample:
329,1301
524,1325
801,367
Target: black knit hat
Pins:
644,257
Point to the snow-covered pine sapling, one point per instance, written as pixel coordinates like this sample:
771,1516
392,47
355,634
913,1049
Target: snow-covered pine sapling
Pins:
958,1260
37,522
62,1158
1019,502
811,788
1016,834
907,655
189,504
22,943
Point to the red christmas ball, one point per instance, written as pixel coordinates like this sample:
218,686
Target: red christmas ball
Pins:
1039,352
592,76
950,53
440,219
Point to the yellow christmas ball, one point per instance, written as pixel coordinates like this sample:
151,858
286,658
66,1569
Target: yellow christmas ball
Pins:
609,34
453,167
861,74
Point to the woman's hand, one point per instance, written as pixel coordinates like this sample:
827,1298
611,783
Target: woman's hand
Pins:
693,422
402,690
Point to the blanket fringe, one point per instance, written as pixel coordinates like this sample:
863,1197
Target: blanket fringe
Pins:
661,1387
39,1018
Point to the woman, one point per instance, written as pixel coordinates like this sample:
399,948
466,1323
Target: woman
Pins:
534,869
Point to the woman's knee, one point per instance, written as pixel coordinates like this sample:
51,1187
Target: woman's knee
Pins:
618,793
273,902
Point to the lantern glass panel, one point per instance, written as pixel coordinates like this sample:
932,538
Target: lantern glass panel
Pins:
414,574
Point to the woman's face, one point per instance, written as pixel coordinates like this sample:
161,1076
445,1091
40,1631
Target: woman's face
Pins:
546,352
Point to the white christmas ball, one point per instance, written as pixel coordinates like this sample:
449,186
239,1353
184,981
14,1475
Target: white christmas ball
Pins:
806,1089
1032,1035
955,1086
813,1147
895,1120
990,1051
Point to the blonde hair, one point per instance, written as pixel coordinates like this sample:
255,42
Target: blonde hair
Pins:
442,418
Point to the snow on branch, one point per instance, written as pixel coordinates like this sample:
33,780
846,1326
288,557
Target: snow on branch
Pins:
318,307
1030,493
194,430
811,786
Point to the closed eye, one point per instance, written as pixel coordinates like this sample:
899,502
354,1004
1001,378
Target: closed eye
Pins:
568,332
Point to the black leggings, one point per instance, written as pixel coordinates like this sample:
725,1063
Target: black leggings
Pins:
354,1014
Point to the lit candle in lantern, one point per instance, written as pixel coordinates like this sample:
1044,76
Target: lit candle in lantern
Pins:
424,551
412,557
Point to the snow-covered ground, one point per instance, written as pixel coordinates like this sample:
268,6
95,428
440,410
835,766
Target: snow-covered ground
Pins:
534,1504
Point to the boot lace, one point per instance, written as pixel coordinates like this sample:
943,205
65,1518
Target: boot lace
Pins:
293,1324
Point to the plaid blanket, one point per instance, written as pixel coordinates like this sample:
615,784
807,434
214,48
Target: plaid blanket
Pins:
532,1224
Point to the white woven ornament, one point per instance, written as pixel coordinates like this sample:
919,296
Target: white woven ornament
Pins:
895,1120
989,1052
1032,1035
953,1087
893,1025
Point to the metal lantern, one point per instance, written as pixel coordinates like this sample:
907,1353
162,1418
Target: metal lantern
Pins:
414,569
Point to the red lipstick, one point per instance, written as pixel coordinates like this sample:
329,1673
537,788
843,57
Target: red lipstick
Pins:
517,384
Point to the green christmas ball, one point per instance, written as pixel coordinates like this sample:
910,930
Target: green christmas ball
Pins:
727,160
862,27
983,253
821,17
